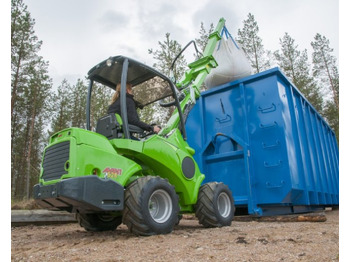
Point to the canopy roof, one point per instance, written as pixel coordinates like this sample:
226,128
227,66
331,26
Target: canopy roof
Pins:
109,71
110,75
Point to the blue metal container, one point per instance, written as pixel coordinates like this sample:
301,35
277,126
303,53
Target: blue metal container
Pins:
261,137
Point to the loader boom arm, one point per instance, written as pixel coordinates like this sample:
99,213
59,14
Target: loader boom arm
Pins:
195,76
199,69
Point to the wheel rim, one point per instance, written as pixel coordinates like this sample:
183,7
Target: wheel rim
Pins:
224,205
160,206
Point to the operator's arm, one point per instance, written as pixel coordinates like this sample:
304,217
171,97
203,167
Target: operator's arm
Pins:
133,117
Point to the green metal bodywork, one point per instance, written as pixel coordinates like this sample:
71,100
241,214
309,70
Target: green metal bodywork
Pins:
124,160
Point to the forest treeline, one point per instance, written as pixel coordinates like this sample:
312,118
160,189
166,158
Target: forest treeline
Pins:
39,109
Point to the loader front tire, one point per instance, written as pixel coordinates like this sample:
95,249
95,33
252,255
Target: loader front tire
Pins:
215,205
98,222
151,206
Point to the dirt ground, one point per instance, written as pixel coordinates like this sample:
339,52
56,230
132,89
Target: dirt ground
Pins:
242,241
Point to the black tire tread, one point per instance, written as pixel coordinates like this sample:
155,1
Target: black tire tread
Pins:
205,207
133,217
91,222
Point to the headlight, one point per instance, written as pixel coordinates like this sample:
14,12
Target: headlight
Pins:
109,62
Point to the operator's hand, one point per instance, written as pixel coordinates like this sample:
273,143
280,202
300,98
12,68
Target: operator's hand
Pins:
156,129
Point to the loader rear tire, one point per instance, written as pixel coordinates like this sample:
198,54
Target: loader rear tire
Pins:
98,222
215,205
151,206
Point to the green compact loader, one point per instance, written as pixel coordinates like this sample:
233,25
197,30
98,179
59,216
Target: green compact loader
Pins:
107,177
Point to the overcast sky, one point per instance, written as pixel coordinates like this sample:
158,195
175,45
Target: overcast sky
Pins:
78,34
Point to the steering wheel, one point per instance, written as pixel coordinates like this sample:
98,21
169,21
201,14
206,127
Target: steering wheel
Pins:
145,134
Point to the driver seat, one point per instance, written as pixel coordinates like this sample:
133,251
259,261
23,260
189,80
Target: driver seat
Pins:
111,126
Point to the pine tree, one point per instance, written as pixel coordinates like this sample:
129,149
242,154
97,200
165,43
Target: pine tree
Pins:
252,45
331,113
39,90
61,108
27,137
294,63
325,70
324,65
164,56
30,93
168,50
202,42
100,98
204,36
24,45
78,104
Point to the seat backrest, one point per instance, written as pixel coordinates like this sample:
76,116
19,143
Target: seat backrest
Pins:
109,126
133,129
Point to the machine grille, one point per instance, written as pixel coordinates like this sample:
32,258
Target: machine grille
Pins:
55,161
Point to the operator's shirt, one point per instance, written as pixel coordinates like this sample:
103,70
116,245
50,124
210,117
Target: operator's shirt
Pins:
133,117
